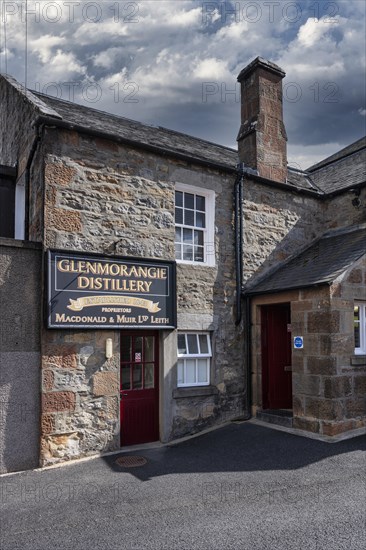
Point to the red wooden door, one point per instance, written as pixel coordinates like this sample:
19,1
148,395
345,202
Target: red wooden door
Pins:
139,387
276,357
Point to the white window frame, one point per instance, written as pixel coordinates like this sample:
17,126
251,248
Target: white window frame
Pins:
209,230
361,350
19,211
195,356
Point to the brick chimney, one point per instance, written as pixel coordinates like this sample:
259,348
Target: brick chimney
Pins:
262,135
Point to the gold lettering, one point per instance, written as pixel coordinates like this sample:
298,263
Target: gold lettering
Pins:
83,282
60,318
60,265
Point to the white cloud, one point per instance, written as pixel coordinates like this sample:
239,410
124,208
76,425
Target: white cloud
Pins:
64,65
107,58
169,49
313,31
211,69
362,112
43,46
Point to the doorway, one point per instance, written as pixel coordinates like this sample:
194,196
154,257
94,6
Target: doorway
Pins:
276,356
139,392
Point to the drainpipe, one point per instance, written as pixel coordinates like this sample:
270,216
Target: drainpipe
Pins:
238,243
239,232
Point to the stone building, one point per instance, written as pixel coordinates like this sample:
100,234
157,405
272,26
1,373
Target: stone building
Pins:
154,284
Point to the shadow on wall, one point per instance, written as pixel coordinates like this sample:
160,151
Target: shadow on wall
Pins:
20,301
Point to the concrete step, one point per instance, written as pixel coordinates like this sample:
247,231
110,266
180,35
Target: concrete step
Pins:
281,417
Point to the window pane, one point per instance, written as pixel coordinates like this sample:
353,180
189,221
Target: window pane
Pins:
178,234
138,350
198,238
198,253
188,253
180,372
200,219
356,326
188,200
149,349
190,371
137,377
149,375
178,198
203,343
192,344
125,377
200,203
178,215
182,344
188,236
189,217
126,348
178,252
202,370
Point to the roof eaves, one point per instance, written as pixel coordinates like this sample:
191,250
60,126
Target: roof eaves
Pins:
248,292
44,120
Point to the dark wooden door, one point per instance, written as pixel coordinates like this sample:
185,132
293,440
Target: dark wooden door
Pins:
276,357
139,387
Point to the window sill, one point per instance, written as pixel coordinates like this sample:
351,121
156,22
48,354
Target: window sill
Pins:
358,360
195,391
199,264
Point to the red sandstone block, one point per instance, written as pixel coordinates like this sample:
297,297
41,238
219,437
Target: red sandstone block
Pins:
61,401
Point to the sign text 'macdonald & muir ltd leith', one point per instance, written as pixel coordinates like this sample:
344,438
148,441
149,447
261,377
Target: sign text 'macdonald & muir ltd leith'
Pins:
90,291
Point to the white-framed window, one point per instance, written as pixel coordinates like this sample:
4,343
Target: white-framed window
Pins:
194,225
359,327
194,359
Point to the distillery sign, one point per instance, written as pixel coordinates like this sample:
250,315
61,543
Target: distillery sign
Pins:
90,291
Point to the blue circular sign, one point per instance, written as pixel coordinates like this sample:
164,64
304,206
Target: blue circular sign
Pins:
298,342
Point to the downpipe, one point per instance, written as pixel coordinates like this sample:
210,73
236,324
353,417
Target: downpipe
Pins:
243,171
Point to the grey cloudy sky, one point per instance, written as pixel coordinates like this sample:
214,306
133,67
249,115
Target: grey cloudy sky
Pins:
175,63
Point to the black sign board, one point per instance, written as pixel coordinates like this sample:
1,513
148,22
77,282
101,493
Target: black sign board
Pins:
92,291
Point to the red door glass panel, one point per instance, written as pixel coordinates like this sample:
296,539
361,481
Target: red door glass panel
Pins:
139,387
276,357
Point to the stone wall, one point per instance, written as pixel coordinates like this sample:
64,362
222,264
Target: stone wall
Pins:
20,358
107,198
277,225
80,395
340,212
328,380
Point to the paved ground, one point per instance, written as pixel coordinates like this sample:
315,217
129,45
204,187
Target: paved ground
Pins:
241,487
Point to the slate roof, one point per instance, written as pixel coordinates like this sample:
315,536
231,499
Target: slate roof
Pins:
347,168
121,127
343,170
321,263
350,149
301,180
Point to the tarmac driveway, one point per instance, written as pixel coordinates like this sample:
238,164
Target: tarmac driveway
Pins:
242,487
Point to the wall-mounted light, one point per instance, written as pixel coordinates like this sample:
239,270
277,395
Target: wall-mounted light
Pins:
109,348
